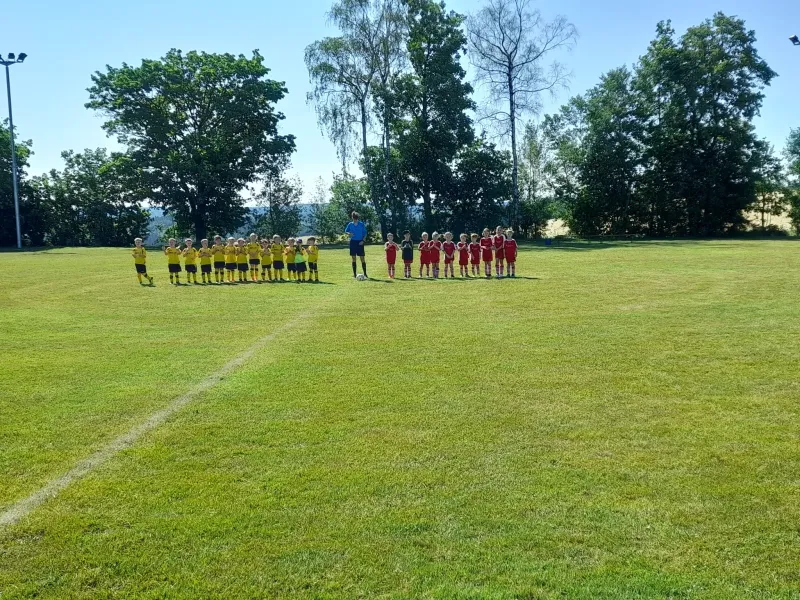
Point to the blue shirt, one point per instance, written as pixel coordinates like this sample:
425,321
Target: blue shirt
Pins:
359,230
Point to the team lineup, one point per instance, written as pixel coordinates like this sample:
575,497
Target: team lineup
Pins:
268,259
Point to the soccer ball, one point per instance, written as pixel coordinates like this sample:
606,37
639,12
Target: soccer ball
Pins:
361,277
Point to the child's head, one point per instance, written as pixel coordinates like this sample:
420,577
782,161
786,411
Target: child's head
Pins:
448,236
435,235
474,236
231,241
264,243
298,242
253,238
463,237
204,243
240,241
188,242
425,236
217,239
171,242
407,235
137,242
390,237
290,241
311,240
486,232
498,230
509,233
276,238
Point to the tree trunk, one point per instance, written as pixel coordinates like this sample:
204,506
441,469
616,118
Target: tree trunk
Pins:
386,173
514,160
200,229
368,170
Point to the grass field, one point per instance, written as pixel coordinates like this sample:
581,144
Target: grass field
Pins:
622,422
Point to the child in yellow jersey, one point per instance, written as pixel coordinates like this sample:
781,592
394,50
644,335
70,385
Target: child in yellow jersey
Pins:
230,259
218,251
312,253
299,260
241,260
288,254
173,261
205,254
266,261
139,260
190,261
254,256
276,249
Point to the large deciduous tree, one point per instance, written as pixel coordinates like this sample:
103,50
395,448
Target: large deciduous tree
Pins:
510,46
280,199
433,100
200,127
8,227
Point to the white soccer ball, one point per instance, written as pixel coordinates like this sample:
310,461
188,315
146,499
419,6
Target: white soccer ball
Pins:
361,277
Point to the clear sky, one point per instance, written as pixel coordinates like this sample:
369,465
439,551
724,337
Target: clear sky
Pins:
67,41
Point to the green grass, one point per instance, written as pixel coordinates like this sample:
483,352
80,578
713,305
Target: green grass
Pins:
623,423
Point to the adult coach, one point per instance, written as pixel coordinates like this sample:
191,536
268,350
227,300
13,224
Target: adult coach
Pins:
358,235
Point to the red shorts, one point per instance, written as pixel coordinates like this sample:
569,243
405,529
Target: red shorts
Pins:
475,261
408,262
448,261
500,254
425,260
511,260
390,263
463,262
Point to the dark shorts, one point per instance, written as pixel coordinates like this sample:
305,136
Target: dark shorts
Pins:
219,265
291,267
174,268
312,267
356,248
230,266
244,267
205,268
141,268
265,266
191,268
408,262
300,267
255,262
277,265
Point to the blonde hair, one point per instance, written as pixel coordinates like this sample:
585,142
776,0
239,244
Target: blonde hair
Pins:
187,240
204,240
230,239
424,234
510,232
137,240
172,240
450,233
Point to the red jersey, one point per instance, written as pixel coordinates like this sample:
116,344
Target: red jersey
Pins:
425,253
463,253
486,247
449,251
510,248
475,252
499,242
391,253
434,248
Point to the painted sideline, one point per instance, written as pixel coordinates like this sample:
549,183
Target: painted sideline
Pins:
24,507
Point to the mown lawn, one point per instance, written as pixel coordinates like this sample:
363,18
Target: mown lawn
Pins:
622,422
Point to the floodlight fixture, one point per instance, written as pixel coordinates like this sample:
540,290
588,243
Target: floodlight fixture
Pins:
795,40
21,58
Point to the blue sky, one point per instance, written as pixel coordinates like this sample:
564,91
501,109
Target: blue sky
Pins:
67,41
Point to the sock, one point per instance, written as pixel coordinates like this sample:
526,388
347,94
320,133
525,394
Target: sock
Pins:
171,278
364,268
139,275
354,268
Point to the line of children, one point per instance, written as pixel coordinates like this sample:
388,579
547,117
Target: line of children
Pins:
236,256
500,248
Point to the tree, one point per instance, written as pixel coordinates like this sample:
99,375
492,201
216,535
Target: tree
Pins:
509,44
200,127
771,190
792,155
537,205
280,198
8,226
433,100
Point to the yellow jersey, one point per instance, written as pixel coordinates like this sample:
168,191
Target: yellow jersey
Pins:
218,250
173,255
266,257
313,253
241,255
277,251
253,250
230,254
289,253
205,255
139,256
190,255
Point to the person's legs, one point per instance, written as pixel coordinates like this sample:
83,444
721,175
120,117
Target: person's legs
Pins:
364,266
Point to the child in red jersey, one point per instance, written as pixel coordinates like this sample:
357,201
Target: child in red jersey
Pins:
463,255
407,248
435,248
449,248
475,255
391,253
487,245
511,253
425,255
499,241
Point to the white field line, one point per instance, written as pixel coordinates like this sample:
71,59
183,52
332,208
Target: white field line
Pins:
24,507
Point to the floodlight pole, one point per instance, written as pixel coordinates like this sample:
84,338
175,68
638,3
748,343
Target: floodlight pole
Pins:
14,174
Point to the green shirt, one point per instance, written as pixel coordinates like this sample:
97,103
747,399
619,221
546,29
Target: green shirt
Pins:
299,256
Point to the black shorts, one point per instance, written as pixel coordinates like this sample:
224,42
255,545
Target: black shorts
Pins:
265,266
141,268
291,267
191,268
300,267
205,268
356,248
219,265
174,268
230,266
312,267
277,265
254,262
244,267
